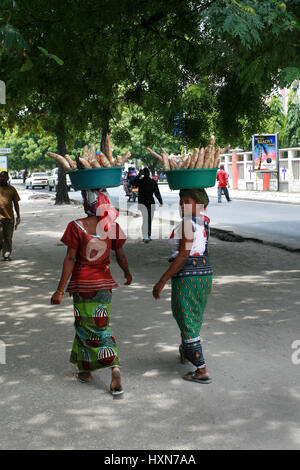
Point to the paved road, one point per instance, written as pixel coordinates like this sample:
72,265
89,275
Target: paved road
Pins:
267,221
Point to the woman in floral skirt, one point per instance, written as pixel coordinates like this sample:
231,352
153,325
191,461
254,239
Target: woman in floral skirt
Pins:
191,275
89,241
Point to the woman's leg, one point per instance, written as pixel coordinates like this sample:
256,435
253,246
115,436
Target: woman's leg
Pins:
116,381
144,212
150,209
189,298
84,376
94,345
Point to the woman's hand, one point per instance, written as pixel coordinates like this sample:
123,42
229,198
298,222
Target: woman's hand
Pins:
158,288
56,298
128,278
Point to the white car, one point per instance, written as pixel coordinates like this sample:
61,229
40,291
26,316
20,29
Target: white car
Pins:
37,179
53,180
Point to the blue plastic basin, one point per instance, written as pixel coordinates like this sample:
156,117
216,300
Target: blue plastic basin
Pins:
199,178
93,178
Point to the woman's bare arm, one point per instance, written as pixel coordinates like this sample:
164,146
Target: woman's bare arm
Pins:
178,263
67,269
123,263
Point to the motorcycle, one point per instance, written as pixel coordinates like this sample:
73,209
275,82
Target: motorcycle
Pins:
130,191
133,193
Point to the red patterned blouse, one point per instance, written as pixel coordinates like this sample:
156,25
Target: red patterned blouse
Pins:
92,268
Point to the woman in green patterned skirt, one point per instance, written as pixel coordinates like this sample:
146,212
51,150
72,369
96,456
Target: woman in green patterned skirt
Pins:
191,275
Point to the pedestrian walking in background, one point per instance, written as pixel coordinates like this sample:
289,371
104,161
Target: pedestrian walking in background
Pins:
9,199
147,188
25,174
89,241
222,177
191,275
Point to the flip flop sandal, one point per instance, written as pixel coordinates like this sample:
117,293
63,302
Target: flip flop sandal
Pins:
83,381
183,360
116,391
192,377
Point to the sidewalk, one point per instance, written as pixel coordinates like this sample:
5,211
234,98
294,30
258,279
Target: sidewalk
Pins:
251,321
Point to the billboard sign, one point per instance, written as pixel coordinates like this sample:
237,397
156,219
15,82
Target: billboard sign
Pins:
265,152
3,163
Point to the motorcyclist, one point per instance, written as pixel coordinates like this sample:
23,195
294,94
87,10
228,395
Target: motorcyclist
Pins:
131,175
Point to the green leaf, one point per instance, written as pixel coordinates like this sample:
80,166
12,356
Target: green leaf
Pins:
44,51
51,56
57,59
11,38
288,75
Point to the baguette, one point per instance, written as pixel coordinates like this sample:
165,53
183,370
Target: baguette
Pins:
61,160
119,161
79,165
125,157
104,160
206,157
156,155
194,159
71,162
173,163
216,157
211,152
187,162
85,152
166,162
84,162
180,163
200,160
92,154
108,150
94,163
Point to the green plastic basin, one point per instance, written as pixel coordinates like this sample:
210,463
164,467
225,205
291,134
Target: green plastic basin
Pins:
92,178
184,179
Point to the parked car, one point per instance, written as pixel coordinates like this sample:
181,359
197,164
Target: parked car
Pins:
36,179
53,180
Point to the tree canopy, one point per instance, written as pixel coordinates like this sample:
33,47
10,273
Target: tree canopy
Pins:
209,64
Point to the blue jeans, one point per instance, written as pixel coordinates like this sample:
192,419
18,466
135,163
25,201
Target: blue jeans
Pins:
225,192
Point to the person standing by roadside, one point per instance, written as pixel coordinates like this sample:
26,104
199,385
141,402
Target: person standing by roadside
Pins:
147,187
222,177
9,197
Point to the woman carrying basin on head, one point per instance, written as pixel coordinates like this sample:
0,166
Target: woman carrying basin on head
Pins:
191,275
89,241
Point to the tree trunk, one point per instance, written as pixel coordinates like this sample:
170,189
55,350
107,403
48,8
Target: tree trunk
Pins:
62,196
105,131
